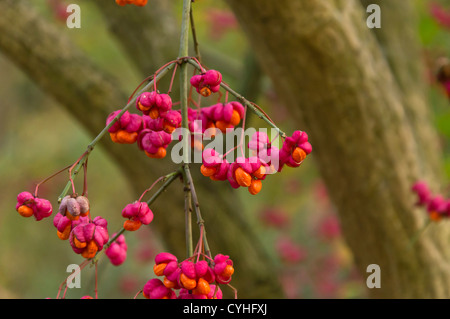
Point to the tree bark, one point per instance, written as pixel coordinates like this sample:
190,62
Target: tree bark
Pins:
353,91
89,94
144,33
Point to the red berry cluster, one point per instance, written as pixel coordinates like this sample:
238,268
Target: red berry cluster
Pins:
73,222
90,237
29,205
223,116
73,210
160,121
437,206
152,130
194,280
207,82
126,129
212,120
117,251
138,213
250,172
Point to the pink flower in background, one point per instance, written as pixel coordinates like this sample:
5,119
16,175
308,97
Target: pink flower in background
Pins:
59,9
440,14
293,186
321,192
289,251
128,284
327,288
329,227
145,253
274,217
293,282
221,21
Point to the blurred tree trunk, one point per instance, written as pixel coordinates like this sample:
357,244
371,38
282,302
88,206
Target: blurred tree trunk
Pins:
143,33
359,94
89,94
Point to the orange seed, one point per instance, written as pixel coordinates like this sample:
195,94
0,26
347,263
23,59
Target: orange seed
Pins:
242,177
187,282
85,213
207,171
143,108
124,137
202,288
114,137
159,269
78,243
235,118
154,113
70,216
65,234
255,186
132,225
228,271
90,250
298,154
168,128
260,172
169,284
222,125
161,153
205,91
25,211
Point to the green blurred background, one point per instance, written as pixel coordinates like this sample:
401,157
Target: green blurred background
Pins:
37,138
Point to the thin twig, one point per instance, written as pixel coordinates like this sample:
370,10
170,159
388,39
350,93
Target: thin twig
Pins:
131,102
188,216
169,181
85,186
196,205
184,101
194,36
96,281
48,178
